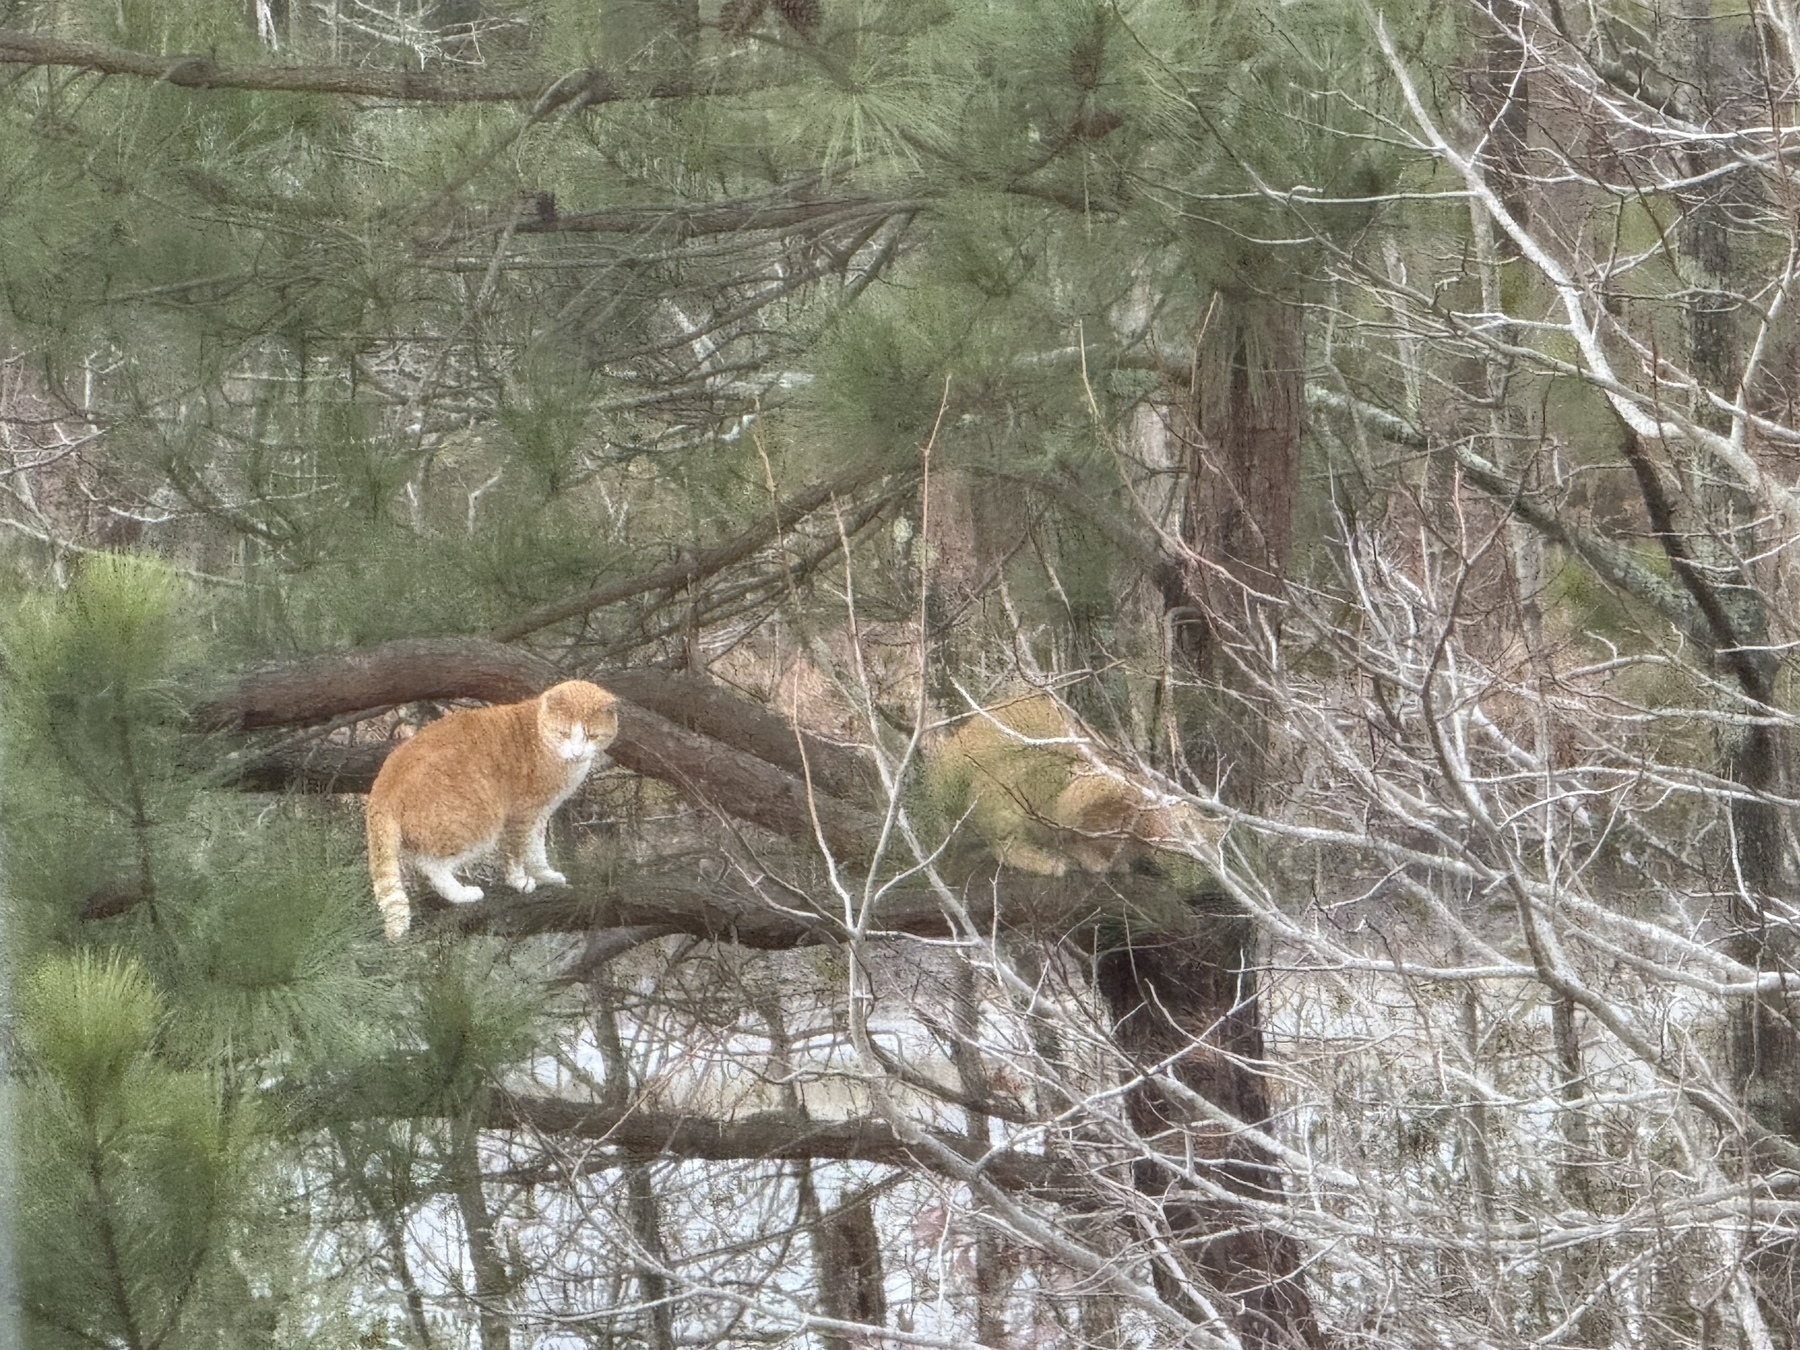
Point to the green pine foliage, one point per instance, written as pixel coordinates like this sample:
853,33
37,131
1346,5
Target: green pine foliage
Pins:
269,953
475,1015
370,429
94,710
132,1165
228,953
167,1039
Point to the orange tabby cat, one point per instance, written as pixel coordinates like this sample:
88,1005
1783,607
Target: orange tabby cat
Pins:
481,778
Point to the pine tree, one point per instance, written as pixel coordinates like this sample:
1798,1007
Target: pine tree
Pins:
168,954
424,356
824,376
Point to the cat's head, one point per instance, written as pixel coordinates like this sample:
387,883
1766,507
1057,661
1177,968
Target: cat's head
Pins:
577,719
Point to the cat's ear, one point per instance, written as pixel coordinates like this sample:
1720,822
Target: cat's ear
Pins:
606,721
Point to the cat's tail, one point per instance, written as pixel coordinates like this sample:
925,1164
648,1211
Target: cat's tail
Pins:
384,872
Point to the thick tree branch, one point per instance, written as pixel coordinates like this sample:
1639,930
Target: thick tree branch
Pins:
1642,83
1752,678
740,785
753,784
637,1133
318,688
1616,563
703,705
768,1134
664,903
784,210
736,783
333,684
772,918
198,71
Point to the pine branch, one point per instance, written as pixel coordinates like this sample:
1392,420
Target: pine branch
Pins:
783,210
118,1289
540,89
697,564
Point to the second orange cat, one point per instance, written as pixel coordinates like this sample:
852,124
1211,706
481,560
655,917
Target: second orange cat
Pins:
478,780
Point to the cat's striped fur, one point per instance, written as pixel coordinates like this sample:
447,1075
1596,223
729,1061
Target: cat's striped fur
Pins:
479,780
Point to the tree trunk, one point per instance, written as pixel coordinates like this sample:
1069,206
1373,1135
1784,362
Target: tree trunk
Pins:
1241,426
655,1290
1190,994
846,1246
1189,998
492,1285
1713,53
853,1285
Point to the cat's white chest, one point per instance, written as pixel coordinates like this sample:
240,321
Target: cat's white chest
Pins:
575,771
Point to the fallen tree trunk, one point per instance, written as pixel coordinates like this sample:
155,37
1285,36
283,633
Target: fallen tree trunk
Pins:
776,919
411,670
760,783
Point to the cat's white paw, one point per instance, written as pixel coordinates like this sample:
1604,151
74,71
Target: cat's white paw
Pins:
444,882
521,882
550,876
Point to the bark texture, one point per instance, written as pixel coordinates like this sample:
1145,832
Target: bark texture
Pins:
742,783
1186,995
1183,1002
